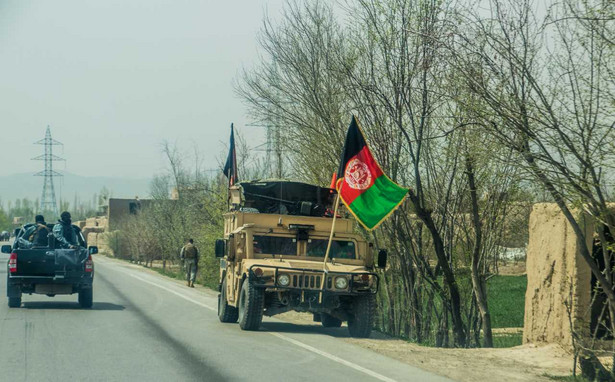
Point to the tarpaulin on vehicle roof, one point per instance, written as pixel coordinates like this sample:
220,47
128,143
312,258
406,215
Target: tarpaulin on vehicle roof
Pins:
291,198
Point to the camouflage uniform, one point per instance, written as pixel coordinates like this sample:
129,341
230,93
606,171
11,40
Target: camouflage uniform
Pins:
190,255
33,235
65,234
22,240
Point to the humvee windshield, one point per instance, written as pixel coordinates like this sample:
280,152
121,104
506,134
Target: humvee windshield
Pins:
340,249
274,245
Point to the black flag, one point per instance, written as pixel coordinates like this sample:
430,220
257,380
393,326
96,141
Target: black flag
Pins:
230,168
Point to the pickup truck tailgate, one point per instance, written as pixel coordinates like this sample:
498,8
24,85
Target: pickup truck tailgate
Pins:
45,262
35,262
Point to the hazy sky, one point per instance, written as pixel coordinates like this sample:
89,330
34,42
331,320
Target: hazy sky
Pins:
114,78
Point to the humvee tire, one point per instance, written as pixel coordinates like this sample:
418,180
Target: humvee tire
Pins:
14,302
362,316
251,306
328,321
86,297
226,313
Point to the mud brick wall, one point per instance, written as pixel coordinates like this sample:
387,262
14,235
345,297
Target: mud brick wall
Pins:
120,209
557,276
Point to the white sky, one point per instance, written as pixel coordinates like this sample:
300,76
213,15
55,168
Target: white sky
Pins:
114,78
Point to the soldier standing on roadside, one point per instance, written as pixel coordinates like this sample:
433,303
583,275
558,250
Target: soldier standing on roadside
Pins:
190,255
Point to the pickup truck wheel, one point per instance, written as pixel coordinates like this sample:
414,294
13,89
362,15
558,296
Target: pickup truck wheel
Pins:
328,321
251,305
226,313
14,302
86,297
362,316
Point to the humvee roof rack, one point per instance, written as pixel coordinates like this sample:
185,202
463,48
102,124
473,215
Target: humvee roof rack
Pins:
282,197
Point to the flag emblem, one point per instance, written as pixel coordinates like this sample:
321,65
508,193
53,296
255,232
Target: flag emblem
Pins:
358,175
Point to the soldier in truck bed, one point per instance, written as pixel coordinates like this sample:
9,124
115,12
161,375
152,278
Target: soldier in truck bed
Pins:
35,235
65,232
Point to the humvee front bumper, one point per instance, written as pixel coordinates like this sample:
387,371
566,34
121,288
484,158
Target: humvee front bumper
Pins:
303,279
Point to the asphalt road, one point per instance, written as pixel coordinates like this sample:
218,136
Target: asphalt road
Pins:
144,327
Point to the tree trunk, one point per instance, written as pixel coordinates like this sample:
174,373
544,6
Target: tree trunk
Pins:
478,280
449,279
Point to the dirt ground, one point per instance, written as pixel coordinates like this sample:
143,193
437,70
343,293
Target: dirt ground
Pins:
520,363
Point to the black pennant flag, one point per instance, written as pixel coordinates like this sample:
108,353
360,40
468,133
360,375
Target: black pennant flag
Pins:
230,168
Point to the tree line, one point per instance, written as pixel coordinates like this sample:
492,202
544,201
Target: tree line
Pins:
25,209
155,235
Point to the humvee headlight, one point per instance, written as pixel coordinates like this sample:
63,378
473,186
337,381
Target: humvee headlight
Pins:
284,280
341,282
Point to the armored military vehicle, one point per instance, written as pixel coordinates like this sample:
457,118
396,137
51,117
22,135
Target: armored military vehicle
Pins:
272,258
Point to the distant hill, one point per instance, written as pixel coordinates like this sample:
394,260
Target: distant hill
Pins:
30,186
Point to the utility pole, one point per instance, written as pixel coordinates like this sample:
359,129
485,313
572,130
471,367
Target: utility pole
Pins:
48,198
274,140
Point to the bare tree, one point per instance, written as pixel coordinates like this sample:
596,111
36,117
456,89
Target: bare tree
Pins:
297,89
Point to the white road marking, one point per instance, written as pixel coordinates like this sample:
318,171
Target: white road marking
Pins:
333,358
171,291
330,356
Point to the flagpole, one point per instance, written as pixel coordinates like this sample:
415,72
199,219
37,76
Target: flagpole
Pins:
324,268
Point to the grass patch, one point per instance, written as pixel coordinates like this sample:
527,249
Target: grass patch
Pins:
506,296
507,340
169,273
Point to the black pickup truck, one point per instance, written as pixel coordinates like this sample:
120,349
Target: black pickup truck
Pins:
49,270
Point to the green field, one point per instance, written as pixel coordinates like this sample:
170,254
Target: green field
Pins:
506,298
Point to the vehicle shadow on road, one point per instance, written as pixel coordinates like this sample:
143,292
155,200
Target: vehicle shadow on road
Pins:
70,305
286,327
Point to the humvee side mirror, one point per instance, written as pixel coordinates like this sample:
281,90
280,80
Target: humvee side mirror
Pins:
6,249
92,249
220,247
382,258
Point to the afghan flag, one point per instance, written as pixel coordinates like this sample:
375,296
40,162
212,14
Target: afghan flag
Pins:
362,185
230,167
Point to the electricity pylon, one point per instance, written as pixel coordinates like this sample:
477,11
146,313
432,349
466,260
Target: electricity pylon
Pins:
48,198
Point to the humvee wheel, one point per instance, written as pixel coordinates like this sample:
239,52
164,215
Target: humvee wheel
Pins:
362,316
226,313
328,321
86,297
14,302
251,305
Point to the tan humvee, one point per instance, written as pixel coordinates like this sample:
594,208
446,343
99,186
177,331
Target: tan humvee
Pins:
275,239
